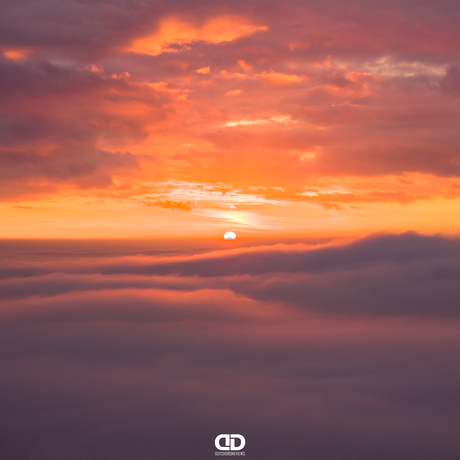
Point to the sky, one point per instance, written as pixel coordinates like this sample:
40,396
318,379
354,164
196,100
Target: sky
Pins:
144,119
134,134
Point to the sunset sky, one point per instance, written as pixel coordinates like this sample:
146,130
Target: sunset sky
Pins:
268,118
134,134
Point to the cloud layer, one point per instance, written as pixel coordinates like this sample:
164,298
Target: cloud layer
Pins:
330,351
337,103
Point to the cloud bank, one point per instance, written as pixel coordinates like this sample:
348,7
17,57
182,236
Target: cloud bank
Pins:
336,351
119,97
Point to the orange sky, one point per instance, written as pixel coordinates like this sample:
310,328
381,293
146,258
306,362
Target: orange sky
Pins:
266,119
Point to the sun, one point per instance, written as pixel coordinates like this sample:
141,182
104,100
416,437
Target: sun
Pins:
229,236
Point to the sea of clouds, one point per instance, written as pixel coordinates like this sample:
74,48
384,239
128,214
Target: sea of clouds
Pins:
327,351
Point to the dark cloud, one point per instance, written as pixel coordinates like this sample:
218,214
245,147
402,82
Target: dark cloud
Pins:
450,83
43,79
85,29
85,166
48,147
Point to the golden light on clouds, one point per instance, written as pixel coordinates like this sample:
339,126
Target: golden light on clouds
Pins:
16,54
177,32
204,70
278,78
212,116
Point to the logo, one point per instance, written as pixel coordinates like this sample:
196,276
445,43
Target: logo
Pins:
230,445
